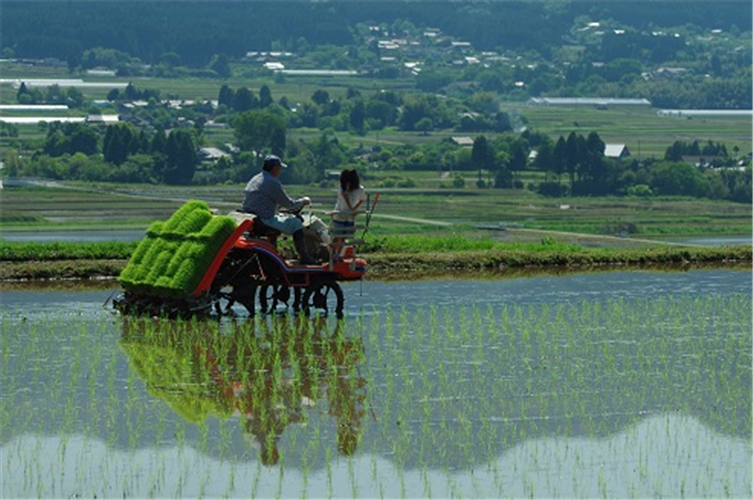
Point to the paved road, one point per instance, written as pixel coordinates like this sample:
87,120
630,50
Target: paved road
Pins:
414,219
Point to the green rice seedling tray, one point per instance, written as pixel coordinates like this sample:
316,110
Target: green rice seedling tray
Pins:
174,256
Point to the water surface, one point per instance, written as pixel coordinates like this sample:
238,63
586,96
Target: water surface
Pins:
627,384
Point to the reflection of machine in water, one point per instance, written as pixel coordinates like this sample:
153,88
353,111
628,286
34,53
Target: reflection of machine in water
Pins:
264,371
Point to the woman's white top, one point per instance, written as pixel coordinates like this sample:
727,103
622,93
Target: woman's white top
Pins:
347,203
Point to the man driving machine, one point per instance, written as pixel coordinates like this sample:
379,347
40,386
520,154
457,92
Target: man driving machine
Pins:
264,194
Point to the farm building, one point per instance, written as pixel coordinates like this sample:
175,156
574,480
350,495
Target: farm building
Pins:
462,141
616,151
211,154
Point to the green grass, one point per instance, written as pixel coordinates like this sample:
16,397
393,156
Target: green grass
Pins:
456,243
27,251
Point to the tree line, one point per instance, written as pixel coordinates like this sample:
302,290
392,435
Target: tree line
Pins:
574,165
555,56
123,153
199,33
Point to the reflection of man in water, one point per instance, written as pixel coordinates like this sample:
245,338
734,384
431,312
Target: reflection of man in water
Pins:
269,402
266,411
253,376
345,393
327,362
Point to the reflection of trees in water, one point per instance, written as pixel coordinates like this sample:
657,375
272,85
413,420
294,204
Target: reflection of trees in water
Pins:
265,371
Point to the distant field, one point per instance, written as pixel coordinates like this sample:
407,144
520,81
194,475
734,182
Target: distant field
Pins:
645,133
425,210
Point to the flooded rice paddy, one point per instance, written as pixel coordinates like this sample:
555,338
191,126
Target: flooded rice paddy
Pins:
620,384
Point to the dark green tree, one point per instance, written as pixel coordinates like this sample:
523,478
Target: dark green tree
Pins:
130,92
244,100
159,142
518,156
503,179
74,98
592,165
226,97
413,111
380,113
424,125
559,165
24,95
674,152
502,122
258,131
308,113
116,141
327,153
181,158
482,155
670,178
83,139
56,143
320,97
544,160
278,141
144,143
357,117
265,97
54,95
572,156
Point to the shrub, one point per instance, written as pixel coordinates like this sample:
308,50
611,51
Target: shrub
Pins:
552,189
641,190
458,181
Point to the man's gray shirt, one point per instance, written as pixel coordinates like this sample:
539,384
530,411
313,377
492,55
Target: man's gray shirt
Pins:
264,192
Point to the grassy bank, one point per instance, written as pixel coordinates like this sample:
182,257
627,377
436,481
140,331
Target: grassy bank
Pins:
401,257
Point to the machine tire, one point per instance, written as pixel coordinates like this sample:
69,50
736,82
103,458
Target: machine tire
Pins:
271,296
325,297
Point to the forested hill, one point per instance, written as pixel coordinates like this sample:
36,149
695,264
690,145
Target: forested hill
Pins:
197,31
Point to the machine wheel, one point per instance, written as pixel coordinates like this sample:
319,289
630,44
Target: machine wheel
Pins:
326,297
244,295
271,296
242,272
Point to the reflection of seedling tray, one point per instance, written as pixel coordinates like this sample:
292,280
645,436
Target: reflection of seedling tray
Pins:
173,376
175,255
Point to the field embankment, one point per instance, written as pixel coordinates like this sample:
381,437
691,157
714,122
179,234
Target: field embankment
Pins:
413,233
100,261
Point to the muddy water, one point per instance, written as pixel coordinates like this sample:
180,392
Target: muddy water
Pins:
633,384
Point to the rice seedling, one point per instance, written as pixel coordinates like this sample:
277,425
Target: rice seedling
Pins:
173,257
